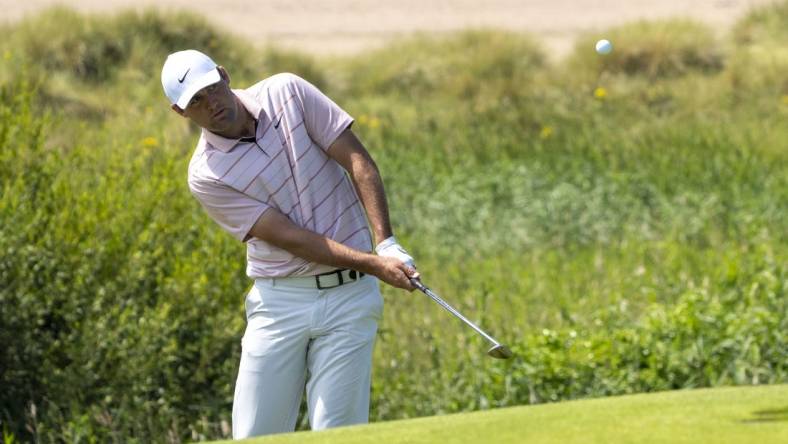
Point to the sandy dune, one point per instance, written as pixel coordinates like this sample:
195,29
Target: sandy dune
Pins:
345,26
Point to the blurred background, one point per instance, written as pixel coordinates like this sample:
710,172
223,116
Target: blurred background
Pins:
618,220
351,26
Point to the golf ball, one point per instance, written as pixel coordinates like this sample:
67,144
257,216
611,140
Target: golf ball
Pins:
604,46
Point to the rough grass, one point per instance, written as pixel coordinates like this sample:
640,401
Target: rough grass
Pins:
653,49
760,55
463,65
714,416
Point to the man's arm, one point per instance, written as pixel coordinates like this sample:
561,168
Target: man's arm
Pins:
349,152
276,229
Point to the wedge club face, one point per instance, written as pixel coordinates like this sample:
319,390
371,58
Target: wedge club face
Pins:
498,351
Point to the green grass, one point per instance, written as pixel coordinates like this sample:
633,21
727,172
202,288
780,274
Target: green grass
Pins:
710,416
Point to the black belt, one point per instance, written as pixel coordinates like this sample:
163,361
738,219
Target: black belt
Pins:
336,278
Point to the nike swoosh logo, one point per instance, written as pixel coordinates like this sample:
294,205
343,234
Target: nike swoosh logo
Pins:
184,76
276,126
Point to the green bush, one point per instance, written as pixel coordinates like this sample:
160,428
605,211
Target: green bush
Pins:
21,139
729,338
730,332
105,320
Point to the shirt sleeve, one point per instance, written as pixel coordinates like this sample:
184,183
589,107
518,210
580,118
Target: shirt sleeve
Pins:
234,211
324,120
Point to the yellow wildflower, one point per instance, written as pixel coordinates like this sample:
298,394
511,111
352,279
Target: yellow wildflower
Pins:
785,99
362,119
546,132
7,55
600,93
150,142
374,122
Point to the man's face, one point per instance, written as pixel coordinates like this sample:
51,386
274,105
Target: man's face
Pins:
214,107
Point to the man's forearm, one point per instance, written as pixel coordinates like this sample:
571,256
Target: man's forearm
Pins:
276,229
322,250
369,186
316,248
349,152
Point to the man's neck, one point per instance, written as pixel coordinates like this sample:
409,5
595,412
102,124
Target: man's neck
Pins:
250,123
246,126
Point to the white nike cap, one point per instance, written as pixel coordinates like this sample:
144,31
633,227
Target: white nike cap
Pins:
186,72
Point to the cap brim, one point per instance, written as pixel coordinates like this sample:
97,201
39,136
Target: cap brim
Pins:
208,78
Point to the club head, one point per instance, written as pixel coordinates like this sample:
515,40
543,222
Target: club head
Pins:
500,351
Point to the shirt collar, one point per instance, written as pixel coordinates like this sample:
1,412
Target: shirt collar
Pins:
251,104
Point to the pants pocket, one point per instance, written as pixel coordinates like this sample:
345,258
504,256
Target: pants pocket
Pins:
374,296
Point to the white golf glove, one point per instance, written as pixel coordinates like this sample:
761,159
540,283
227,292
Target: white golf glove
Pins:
390,248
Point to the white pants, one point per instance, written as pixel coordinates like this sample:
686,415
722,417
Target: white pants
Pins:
297,337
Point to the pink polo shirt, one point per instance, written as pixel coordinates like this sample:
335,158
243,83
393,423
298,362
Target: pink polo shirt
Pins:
287,168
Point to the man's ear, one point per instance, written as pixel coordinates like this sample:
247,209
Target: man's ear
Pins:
224,74
178,110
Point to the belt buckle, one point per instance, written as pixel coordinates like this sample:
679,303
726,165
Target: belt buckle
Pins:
339,278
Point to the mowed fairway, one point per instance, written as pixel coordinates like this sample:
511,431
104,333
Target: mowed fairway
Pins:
725,415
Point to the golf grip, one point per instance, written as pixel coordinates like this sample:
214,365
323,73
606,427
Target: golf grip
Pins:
417,283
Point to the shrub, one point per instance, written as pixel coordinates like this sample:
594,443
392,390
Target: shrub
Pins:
760,57
655,49
731,332
100,335
764,24
95,48
728,338
460,66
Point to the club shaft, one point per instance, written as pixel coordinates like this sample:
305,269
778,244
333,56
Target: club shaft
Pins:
451,310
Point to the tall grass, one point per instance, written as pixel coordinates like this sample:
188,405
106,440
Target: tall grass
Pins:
621,222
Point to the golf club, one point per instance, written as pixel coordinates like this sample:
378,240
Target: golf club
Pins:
498,350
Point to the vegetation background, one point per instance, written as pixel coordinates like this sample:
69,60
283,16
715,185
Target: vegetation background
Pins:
620,221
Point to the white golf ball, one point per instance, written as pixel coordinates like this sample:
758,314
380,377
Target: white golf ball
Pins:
604,46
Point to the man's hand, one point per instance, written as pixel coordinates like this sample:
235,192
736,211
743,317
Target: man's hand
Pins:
390,248
395,273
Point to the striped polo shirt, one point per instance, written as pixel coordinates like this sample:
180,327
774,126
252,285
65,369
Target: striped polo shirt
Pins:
285,167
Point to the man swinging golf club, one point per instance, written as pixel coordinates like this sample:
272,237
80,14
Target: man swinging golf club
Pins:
270,168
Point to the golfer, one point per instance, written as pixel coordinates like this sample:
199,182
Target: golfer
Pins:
278,167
